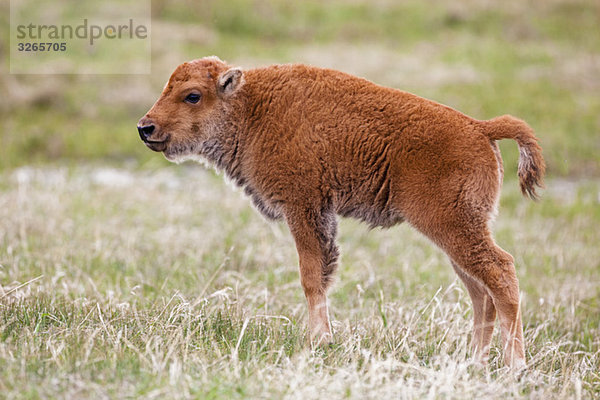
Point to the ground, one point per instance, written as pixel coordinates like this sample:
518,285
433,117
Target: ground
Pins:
124,276
165,283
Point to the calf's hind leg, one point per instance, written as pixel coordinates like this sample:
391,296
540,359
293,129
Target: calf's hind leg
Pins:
476,255
484,314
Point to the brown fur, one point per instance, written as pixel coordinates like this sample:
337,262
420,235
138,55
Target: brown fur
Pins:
307,143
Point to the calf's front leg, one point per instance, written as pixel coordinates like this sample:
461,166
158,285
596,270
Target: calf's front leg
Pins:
314,234
316,296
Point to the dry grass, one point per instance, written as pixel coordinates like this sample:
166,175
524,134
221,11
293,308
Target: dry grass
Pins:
165,284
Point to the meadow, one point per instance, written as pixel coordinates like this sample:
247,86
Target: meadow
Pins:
123,276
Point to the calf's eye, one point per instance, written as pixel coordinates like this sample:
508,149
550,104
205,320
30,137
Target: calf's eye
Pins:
192,98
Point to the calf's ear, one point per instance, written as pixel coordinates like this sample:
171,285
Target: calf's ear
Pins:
229,82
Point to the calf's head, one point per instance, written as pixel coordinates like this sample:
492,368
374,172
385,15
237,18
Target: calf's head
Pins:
189,110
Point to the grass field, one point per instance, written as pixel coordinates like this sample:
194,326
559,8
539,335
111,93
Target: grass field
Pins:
165,284
539,60
122,276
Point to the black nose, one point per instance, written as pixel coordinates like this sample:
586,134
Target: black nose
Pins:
145,132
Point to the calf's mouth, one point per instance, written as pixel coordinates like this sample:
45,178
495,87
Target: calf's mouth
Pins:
157,145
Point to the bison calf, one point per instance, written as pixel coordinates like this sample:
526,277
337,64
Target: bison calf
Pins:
307,143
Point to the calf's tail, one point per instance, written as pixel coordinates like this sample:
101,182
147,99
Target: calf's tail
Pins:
531,163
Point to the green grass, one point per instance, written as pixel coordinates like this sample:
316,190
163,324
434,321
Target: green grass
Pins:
123,277
534,60
163,282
